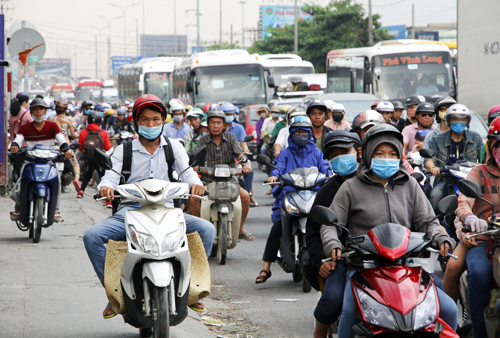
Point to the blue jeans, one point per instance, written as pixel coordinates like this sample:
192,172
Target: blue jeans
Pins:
248,178
438,193
330,304
480,277
350,318
263,149
114,228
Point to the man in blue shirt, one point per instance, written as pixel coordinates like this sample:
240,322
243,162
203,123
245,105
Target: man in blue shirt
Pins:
178,128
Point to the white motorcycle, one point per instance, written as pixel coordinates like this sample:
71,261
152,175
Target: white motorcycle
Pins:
156,272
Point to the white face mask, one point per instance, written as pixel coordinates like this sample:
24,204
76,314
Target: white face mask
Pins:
263,115
275,115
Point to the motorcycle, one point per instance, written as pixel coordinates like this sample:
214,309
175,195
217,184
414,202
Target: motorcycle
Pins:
295,208
394,291
124,136
491,314
39,188
156,272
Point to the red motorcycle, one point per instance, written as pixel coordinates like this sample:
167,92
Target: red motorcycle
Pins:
394,291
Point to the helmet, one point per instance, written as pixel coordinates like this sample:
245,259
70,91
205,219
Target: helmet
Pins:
306,101
211,106
340,139
38,103
493,114
494,109
398,105
94,117
374,105
494,129
385,106
297,111
414,100
368,118
283,109
188,107
338,107
99,107
203,122
197,112
62,103
329,104
114,106
148,100
316,104
458,110
300,122
216,113
443,101
120,111
174,101
177,106
228,108
264,107
385,128
425,107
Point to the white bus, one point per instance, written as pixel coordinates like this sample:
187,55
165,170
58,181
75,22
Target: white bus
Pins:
230,75
148,76
392,70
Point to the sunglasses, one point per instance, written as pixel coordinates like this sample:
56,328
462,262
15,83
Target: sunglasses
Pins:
427,114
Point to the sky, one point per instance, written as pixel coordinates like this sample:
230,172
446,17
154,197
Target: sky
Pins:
67,28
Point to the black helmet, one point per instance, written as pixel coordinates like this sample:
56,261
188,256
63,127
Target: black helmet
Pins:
94,117
340,139
387,130
38,103
443,101
216,113
316,104
425,107
414,100
398,105
86,103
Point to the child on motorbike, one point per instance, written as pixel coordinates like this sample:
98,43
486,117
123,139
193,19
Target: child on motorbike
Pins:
382,192
301,152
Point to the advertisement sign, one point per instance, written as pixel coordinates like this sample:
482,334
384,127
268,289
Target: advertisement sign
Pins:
117,61
424,35
53,67
398,32
195,49
279,16
413,59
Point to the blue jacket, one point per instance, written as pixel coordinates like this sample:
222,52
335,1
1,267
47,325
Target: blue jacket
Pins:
291,158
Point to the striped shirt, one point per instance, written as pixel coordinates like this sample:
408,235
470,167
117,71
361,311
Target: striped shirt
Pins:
224,153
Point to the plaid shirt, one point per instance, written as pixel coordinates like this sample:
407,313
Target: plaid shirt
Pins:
488,177
224,153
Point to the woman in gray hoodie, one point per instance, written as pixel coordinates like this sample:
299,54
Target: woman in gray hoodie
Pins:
382,192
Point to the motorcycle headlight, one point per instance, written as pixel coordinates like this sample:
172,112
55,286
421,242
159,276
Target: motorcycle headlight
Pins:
291,205
311,180
298,180
222,172
145,243
374,312
172,240
426,311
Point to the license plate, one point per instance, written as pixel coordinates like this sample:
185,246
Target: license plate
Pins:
60,166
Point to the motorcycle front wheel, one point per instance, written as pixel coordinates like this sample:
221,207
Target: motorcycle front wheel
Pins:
36,227
222,241
160,312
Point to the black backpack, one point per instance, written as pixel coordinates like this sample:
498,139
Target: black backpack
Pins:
127,159
93,140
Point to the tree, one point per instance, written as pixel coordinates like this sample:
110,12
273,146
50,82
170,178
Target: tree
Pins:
225,45
341,24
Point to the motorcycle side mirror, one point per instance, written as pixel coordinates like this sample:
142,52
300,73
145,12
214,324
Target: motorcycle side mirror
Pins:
102,159
198,157
469,189
263,160
323,215
418,176
75,146
427,153
447,205
248,138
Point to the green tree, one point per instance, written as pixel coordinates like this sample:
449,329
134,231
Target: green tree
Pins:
225,45
341,24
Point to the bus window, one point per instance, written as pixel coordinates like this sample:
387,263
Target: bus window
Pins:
340,71
158,84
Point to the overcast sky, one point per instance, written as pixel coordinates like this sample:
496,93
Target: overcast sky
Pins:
66,24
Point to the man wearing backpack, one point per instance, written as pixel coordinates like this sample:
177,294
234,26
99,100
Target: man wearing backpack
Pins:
90,138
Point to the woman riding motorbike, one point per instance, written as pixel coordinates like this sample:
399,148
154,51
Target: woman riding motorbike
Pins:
382,192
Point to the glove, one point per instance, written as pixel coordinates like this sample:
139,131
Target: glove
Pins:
476,224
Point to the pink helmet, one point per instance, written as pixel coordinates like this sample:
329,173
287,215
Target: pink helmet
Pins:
368,118
494,109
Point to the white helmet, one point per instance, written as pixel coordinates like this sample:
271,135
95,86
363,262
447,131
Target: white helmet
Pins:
49,102
177,106
338,107
329,104
458,110
385,106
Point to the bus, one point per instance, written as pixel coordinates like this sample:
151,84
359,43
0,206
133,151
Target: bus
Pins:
392,71
231,75
62,91
85,88
148,76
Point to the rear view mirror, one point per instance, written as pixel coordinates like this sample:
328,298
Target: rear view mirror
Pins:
323,215
469,189
198,157
447,205
102,159
270,81
426,153
189,86
263,159
418,176
248,138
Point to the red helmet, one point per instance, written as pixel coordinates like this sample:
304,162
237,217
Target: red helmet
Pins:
374,105
494,130
494,109
148,100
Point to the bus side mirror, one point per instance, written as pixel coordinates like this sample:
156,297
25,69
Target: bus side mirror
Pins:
368,77
141,82
270,81
189,86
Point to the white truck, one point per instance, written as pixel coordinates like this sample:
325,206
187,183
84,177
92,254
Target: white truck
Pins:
478,54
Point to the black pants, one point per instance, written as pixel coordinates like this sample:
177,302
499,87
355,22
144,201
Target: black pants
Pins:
273,243
90,167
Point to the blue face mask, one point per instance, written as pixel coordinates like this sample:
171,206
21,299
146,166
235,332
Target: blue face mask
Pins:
204,134
102,113
150,133
112,121
229,119
88,111
385,167
458,127
344,165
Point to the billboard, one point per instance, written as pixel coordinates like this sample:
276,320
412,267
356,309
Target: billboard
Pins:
279,16
54,67
424,35
117,61
398,32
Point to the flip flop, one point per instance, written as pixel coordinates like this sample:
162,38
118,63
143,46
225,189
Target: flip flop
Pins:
246,236
109,316
194,308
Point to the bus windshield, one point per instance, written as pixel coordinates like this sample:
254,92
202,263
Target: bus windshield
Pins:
280,74
397,76
158,84
240,84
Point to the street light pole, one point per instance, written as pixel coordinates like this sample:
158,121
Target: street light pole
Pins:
242,2
124,25
110,71
296,30
96,50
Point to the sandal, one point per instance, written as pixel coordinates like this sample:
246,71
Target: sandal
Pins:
108,307
263,276
269,192
194,308
57,217
253,202
246,236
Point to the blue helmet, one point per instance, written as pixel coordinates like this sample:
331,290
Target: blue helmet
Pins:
237,110
228,108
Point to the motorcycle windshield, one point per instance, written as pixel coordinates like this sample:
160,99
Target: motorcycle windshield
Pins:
390,240
304,178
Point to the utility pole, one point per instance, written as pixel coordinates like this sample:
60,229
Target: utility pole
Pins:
175,31
137,35
198,23
143,26
96,63
220,28
124,25
413,21
231,35
370,24
242,2
296,30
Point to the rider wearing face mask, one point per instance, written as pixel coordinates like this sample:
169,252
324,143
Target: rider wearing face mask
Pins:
270,122
177,128
424,115
382,192
263,113
458,143
441,106
338,122
194,117
301,152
